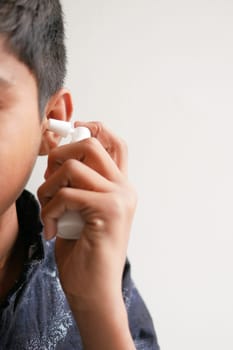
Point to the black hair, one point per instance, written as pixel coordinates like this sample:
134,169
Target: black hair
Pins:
34,32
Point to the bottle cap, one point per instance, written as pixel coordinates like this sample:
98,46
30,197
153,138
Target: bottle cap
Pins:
80,133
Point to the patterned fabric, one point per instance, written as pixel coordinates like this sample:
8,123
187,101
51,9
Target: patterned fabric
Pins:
36,315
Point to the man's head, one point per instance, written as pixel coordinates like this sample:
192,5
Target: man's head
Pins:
32,70
34,34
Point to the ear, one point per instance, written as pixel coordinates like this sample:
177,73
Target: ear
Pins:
60,107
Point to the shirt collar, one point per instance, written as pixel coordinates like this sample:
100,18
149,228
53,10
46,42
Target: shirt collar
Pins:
30,226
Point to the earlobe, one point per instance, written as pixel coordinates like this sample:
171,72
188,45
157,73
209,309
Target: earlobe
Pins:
60,107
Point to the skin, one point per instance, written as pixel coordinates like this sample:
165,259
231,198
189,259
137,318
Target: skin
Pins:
20,132
89,176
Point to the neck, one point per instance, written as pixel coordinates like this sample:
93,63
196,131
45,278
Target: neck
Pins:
11,251
8,234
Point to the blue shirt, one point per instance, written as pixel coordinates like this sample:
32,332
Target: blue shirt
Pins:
36,316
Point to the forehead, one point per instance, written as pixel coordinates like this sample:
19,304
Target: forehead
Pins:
9,66
13,73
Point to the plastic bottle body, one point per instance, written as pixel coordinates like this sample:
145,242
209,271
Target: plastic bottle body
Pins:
71,224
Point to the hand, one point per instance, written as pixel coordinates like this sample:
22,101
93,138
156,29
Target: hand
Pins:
91,177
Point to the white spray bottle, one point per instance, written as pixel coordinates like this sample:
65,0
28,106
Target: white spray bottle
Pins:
71,224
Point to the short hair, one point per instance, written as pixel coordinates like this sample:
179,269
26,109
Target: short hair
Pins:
34,32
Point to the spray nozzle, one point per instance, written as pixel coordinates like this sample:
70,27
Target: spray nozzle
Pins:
65,129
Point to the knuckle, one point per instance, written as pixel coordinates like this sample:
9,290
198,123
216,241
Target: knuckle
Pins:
124,201
39,193
53,158
117,206
123,145
62,194
52,154
42,213
97,224
91,142
69,166
43,196
98,128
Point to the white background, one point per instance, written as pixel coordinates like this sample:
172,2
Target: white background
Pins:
160,73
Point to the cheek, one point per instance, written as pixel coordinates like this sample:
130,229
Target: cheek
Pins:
17,160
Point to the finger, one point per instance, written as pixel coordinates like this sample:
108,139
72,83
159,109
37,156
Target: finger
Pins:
90,152
67,199
73,174
114,145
